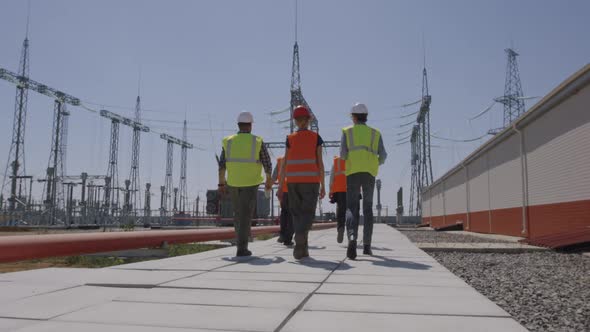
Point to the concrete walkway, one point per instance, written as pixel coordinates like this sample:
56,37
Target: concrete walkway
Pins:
401,288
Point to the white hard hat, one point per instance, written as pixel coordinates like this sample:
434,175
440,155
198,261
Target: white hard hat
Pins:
359,108
245,117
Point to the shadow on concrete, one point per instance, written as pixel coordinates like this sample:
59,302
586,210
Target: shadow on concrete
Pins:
394,263
255,260
381,248
322,264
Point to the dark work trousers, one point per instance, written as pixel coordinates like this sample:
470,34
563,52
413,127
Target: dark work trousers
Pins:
354,184
286,220
340,199
243,200
303,199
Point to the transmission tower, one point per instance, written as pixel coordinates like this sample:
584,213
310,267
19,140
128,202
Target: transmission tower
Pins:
182,182
296,95
415,198
134,174
420,159
166,201
54,193
513,98
15,167
111,190
423,120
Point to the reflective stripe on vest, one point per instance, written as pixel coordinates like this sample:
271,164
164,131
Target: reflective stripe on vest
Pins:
242,152
301,162
363,149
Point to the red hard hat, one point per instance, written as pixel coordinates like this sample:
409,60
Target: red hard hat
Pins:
301,111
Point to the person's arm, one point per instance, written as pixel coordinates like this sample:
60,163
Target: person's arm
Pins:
275,173
283,171
343,147
267,164
221,173
381,151
331,180
320,163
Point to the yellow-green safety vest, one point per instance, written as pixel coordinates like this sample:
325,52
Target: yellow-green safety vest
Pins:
363,149
242,155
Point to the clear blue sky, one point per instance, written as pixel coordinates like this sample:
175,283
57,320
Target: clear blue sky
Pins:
211,59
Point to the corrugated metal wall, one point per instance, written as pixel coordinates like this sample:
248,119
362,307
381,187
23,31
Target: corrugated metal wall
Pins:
531,181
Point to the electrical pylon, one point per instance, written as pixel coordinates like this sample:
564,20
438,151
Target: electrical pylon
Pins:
423,120
415,197
420,159
54,195
168,180
134,174
15,167
182,182
111,190
513,98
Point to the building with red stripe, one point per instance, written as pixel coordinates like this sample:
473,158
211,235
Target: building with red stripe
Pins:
530,180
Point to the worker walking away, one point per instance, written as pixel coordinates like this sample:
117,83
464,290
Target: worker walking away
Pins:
304,168
338,194
362,148
243,156
286,222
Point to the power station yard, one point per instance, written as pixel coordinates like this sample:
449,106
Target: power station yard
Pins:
400,287
544,291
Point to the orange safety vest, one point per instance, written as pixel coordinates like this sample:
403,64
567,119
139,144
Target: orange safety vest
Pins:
279,169
339,181
302,166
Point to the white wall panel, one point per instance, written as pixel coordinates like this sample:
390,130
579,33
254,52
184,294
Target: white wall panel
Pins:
478,185
505,174
426,204
558,152
455,193
436,200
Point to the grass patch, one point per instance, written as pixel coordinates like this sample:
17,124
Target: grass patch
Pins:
189,249
264,237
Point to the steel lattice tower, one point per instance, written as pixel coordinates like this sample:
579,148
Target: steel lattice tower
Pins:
168,181
423,120
15,168
134,174
111,191
182,182
420,158
54,195
296,95
512,99
415,198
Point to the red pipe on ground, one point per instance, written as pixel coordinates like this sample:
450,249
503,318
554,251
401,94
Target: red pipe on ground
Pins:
23,247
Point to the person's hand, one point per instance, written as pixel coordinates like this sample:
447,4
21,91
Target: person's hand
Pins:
322,192
331,195
268,184
280,193
222,189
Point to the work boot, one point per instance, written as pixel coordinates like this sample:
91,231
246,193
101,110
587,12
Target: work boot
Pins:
299,250
351,251
280,239
243,253
340,236
367,250
306,247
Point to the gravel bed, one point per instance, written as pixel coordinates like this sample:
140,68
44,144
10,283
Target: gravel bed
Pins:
544,291
430,236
